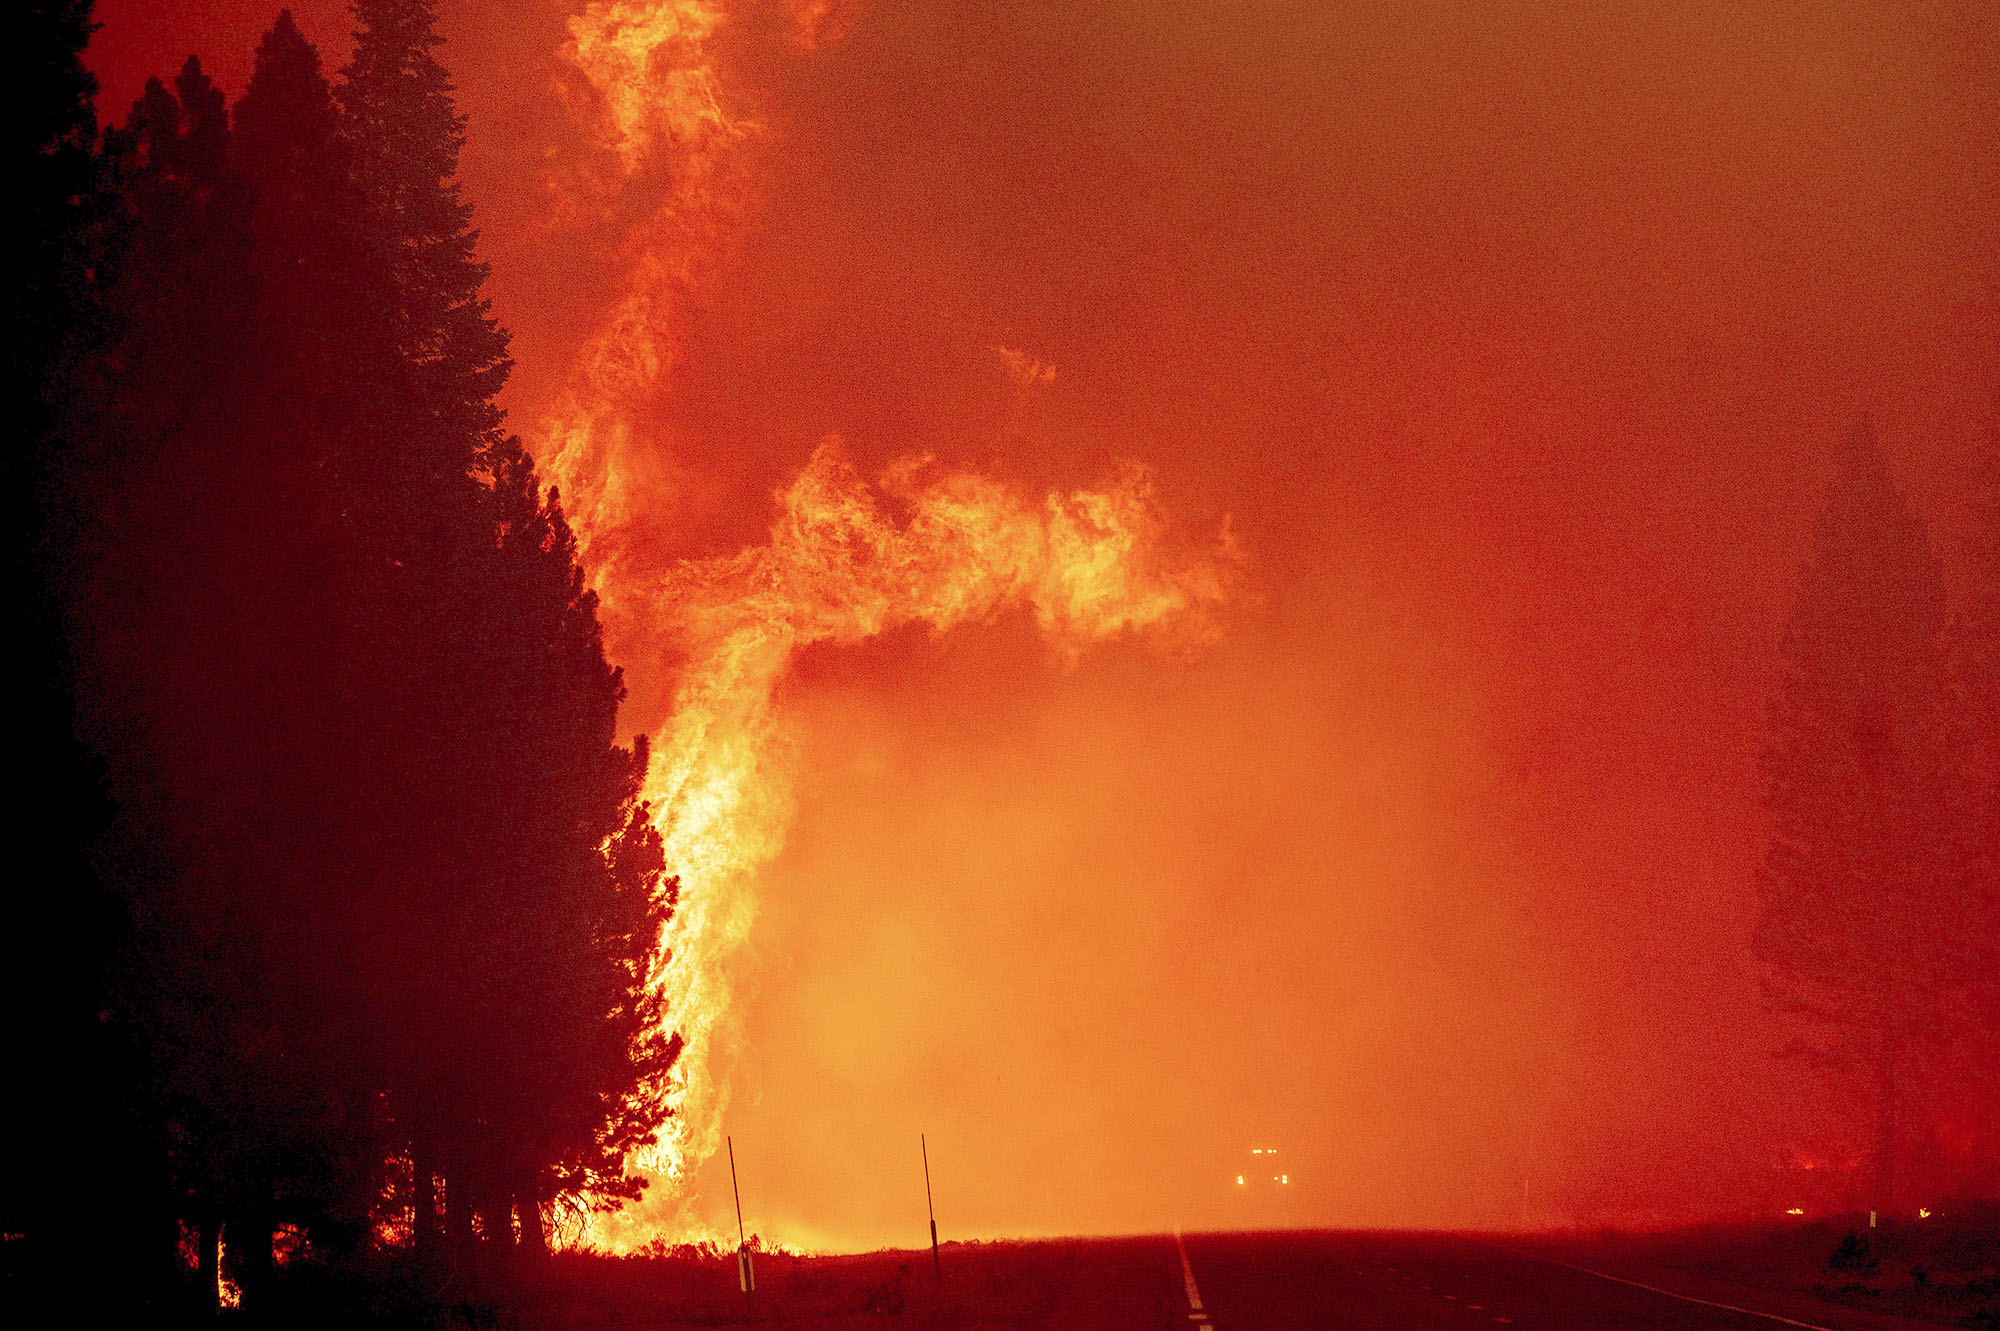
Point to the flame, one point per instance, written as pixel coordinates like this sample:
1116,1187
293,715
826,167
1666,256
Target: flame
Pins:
648,63
847,559
228,1294
658,110
1024,369
666,130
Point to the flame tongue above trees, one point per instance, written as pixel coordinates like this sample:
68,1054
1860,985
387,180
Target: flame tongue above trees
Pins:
657,129
845,561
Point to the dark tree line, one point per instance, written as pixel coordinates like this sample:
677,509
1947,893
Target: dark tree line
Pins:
336,894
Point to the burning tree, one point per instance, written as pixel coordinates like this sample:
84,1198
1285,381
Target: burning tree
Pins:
1859,922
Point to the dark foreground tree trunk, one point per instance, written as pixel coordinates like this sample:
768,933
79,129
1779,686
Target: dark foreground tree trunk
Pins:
496,1236
423,1192
250,1253
534,1238
458,1236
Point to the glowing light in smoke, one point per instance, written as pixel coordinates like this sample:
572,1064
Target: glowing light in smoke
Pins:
817,23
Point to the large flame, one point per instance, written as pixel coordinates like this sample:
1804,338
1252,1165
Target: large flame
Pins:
846,559
664,131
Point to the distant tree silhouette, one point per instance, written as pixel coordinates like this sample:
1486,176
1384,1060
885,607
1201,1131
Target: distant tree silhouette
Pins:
1975,640
1860,927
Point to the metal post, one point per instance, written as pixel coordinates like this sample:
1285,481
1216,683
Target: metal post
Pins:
746,1274
937,1268
737,1192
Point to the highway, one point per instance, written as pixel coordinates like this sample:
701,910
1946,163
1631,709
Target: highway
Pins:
1392,1282
1253,1281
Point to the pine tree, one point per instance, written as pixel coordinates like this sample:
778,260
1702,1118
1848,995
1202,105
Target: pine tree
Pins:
386,847
581,1029
173,617
1975,642
211,618
412,474
405,136
76,1113
319,281
1860,919
530,899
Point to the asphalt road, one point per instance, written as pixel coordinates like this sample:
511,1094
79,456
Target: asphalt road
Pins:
1387,1282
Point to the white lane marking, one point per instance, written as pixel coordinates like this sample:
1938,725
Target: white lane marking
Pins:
1187,1274
1684,1298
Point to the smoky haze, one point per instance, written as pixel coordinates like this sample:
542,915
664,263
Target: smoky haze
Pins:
1516,343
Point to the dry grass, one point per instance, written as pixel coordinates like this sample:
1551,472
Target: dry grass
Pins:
1945,1268
983,1287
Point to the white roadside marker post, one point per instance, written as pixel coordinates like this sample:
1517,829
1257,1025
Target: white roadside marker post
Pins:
937,1268
746,1274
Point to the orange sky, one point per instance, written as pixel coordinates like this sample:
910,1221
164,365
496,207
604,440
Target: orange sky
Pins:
1515,340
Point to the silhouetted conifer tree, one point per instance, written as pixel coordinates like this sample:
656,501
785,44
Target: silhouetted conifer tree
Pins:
405,135
394,891
173,613
76,1114
1975,640
530,911
1861,922
568,975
